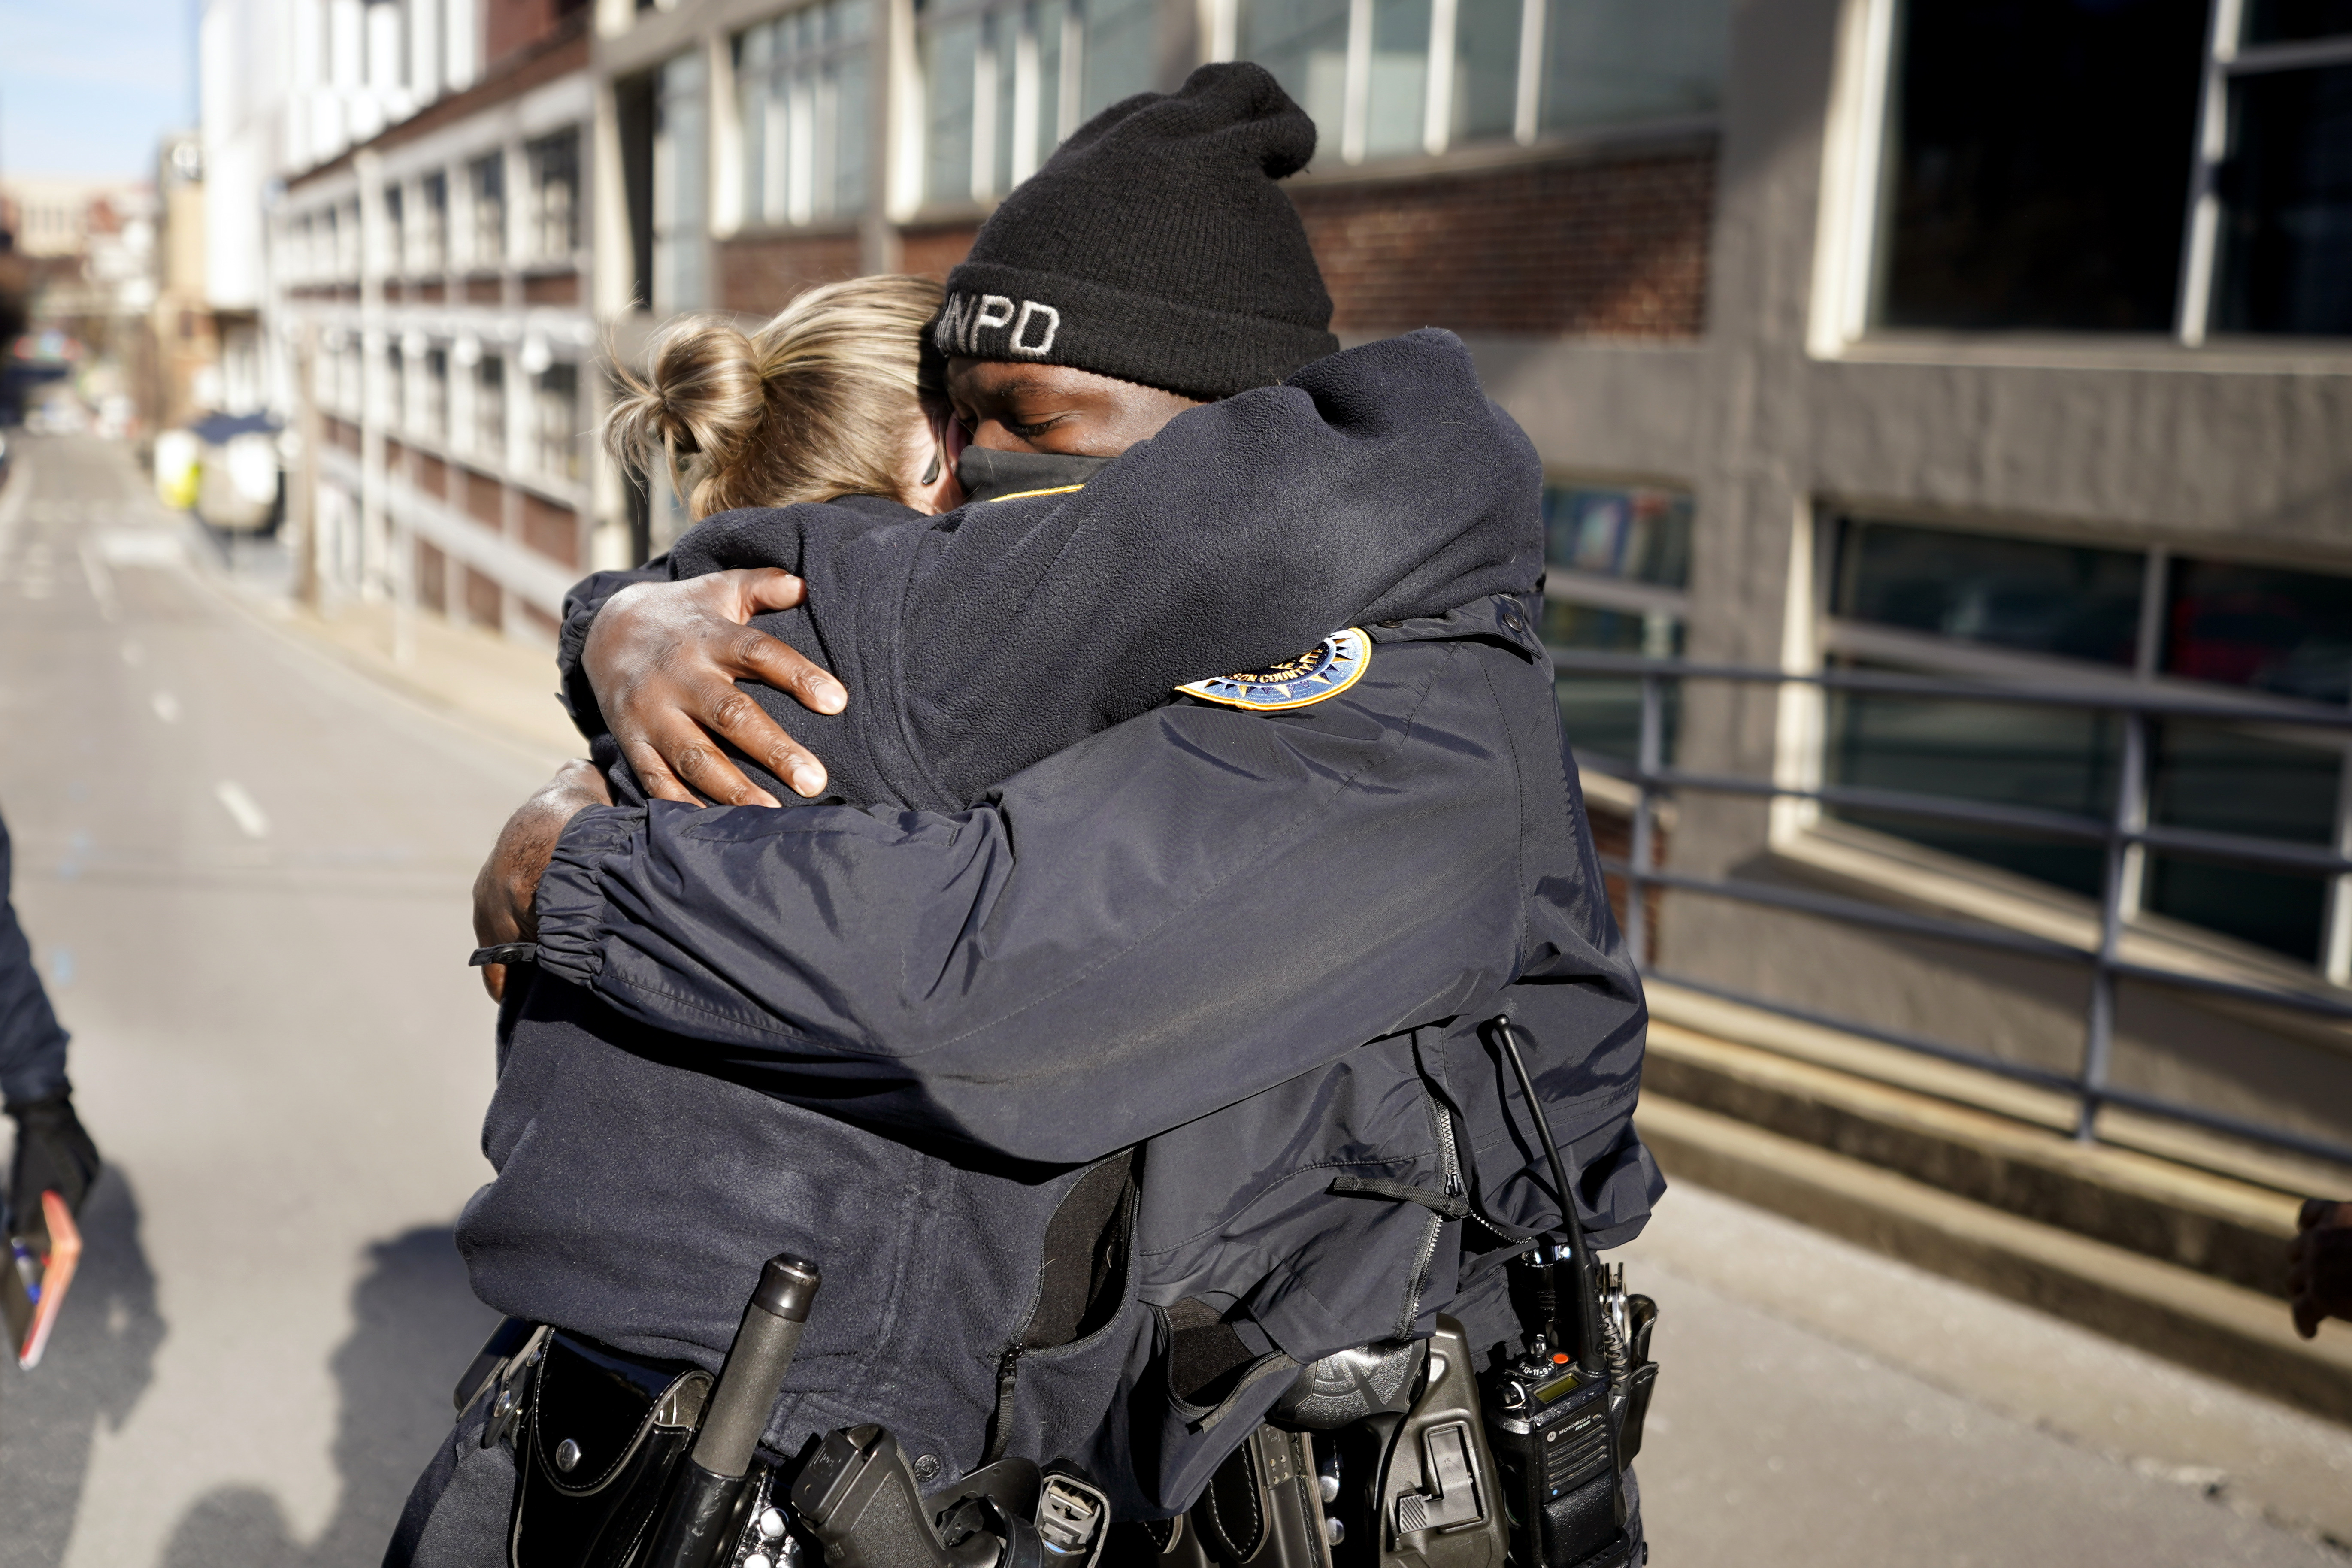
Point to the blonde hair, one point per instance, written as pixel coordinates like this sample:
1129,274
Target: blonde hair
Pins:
817,404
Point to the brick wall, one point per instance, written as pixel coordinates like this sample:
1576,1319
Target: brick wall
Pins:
484,603
432,578
930,252
761,273
1613,249
553,531
485,498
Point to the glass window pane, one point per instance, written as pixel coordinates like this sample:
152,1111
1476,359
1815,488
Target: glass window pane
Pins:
2055,760
1485,69
1603,714
491,408
1632,531
2286,199
2281,911
1615,60
1005,50
2292,21
851,133
1045,25
2063,599
681,151
1396,102
949,53
1121,46
2040,152
2288,632
1305,44
2223,780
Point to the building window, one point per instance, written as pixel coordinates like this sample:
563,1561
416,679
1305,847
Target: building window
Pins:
2009,610
555,402
395,239
680,185
395,388
1616,579
555,195
2122,167
1391,78
2040,158
436,395
486,181
491,408
1004,83
2282,193
433,224
805,95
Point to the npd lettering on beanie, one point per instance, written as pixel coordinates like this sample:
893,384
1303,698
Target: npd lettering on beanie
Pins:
1155,247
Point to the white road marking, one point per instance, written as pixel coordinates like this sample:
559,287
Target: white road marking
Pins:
143,547
102,583
242,806
167,707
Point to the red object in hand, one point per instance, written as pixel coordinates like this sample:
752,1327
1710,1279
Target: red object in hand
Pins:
33,1284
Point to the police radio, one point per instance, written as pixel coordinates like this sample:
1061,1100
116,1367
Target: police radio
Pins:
1565,1418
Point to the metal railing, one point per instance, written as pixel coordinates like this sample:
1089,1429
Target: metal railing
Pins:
2125,828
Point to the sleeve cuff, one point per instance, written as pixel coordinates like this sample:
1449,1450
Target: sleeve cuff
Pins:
570,903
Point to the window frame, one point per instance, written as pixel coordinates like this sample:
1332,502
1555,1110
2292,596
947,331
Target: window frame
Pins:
540,160
2229,61
1853,223
1802,829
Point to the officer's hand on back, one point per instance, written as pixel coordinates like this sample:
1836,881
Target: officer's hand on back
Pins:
2319,1266
508,884
664,659
53,1154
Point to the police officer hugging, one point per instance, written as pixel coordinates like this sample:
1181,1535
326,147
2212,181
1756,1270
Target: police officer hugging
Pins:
1113,1048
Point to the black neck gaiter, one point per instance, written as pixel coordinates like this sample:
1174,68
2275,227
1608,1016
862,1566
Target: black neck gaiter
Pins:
987,476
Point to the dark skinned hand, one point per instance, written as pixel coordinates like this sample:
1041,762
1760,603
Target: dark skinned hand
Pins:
2319,1266
664,659
507,885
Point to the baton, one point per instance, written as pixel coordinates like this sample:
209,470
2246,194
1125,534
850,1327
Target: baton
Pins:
697,1519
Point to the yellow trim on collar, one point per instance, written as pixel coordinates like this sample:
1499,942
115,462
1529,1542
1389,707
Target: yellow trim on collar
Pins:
1029,495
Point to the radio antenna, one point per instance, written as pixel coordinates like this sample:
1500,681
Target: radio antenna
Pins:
1580,1249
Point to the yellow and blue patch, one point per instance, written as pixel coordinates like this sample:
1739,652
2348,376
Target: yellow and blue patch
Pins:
1324,671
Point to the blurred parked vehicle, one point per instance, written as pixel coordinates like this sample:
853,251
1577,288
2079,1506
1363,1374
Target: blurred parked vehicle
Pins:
238,485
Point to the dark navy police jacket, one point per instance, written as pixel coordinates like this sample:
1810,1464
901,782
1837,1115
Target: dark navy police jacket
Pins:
1104,1101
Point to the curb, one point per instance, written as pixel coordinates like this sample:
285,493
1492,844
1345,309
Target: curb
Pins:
2222,1330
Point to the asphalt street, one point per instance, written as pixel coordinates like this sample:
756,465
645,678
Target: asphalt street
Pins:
244,868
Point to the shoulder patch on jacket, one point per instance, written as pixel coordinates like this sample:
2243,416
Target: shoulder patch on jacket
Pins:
1327,669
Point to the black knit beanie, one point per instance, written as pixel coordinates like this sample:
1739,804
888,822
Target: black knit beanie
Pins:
1155,247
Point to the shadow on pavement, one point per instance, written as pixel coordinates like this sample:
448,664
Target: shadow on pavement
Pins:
417,1325
99,1360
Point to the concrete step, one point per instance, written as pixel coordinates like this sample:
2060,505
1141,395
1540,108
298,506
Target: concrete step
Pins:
2224,1329
2234,1227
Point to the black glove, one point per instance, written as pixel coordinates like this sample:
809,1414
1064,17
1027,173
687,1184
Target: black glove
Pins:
53,1154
